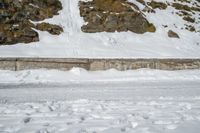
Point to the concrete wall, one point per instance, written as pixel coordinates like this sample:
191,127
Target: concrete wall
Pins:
128,64
97,64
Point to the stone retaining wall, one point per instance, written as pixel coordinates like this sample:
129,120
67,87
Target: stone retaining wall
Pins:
16,64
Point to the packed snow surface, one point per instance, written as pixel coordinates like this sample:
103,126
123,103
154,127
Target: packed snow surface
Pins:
77,101
74,43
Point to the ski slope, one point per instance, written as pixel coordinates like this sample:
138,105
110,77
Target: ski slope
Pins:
77,101
75,44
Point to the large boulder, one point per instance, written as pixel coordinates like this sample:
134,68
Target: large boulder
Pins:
113,15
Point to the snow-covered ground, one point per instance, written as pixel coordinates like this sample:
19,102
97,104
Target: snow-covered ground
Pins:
77,101
74,43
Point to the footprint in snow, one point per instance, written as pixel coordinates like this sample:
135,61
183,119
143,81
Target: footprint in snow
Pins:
69,123
25,75
46,124
129,127
43,131
27,120
82,119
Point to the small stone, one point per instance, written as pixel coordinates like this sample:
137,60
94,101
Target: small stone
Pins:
172,34
27,120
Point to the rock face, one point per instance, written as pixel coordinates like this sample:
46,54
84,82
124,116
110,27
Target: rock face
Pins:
113,15
15,16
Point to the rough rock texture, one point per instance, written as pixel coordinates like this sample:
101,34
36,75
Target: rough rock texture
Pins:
188,13
184,7
189,19
173,34
159,5
113,15
52,29
15,16
20,33
190,28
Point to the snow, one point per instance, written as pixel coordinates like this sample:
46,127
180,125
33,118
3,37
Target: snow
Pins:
73,43
81,75
78,101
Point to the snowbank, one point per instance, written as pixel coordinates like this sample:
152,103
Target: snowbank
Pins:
79,75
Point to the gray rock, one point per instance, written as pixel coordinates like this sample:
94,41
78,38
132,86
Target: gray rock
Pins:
172,34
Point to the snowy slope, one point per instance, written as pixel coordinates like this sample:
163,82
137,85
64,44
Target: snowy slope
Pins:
74,43
77,101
